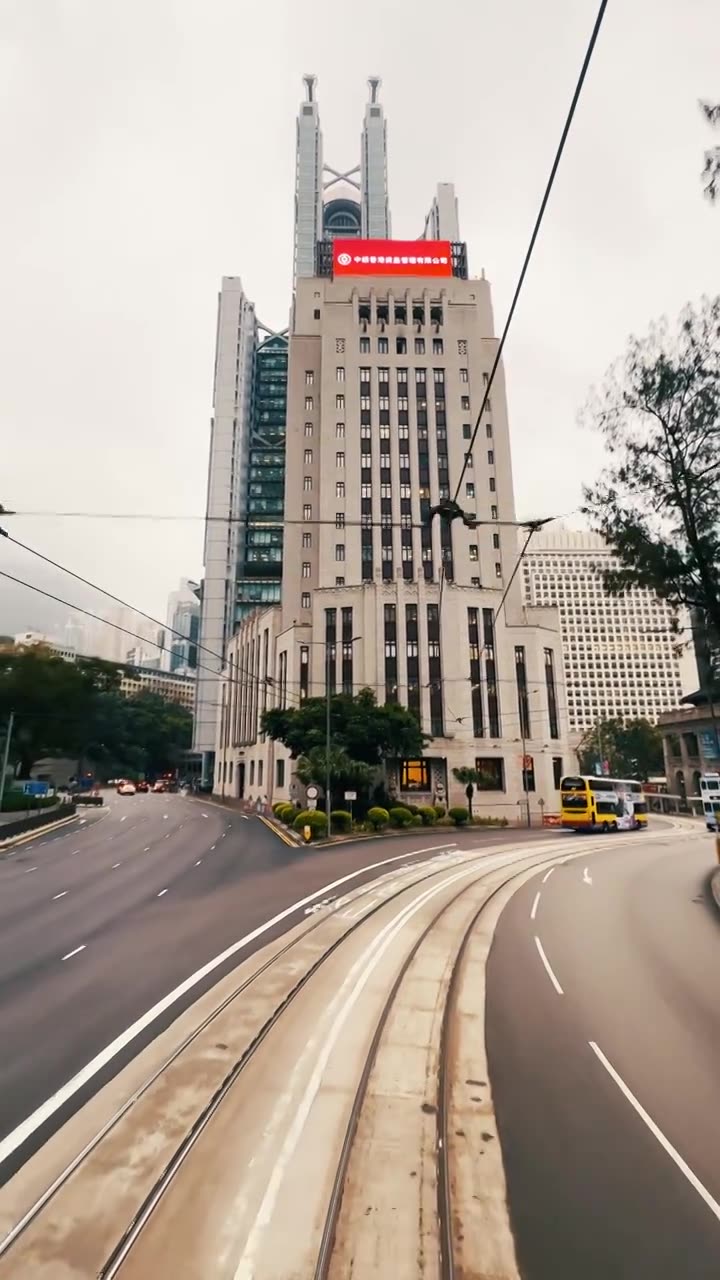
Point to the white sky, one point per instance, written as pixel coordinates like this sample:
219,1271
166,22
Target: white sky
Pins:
147,149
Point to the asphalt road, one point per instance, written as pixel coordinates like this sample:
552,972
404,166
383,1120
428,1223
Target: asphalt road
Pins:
102,919
612,1152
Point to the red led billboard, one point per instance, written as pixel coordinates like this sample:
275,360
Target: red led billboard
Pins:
392,258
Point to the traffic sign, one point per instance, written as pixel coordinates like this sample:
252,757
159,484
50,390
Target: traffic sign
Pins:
35,788
351,795
311,792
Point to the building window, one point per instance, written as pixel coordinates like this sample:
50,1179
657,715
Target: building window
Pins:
279,773
308,457
307,539
339,550
419,346
305,600
316,313
339,519
252,773
462,346
364,346
498,569
340,373
401,346
522,690
309,377
463,375
382,346
468,459
528,774
470,490
308,428
473,552
339,430
492,484
437,346
488,430
493,513
339,488
339,582
306,569
467,431
492,773
340,402
557,768
464,402
307,483
307,512
339,459
339,346
491,458
414,775
308,404
496,541
551,693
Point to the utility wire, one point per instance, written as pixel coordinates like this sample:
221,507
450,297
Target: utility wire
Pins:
259,521
538,221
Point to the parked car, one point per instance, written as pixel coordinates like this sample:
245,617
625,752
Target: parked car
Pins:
143,786
127,789
159,785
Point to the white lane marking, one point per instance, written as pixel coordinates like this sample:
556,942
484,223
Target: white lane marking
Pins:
213,846
204,815
115,866
684,1168
124,818
547,875
75,952
533,913
162,891
59,895
223,835
587,878
167,837
164,817
82,822
41,1114
29,869
72,855
146,849
197,864
244,815
339,1010
546,962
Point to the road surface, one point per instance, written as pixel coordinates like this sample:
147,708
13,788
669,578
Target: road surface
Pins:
103,919
603,1033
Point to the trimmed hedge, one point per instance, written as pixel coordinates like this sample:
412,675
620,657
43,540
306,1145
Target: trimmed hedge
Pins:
18,802
459,815
400,816
341,821
313,818
428,815
286,813
416,820
378,817
440,810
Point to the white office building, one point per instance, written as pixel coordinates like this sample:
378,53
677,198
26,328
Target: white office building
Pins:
619,652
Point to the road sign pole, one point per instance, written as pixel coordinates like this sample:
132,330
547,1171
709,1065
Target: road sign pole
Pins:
6,755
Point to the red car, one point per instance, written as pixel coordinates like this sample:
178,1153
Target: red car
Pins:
143,786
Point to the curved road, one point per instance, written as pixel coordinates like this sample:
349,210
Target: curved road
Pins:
603,1027
125,917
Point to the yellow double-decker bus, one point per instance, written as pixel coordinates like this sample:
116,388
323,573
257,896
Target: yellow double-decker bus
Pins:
590,803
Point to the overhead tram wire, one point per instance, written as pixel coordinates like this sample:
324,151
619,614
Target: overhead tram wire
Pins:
269,681
260,520
521,280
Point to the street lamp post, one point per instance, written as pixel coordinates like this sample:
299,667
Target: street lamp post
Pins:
6,753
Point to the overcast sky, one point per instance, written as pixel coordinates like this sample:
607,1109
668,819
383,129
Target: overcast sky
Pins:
147,149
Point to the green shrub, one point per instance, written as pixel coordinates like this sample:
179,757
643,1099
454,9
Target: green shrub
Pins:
428,815
490,822
459,815
416,820
312,818
279,804
400,816
341,820
18,802
378,817
440,810
411,808
286,813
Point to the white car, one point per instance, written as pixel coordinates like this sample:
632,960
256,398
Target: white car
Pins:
126,789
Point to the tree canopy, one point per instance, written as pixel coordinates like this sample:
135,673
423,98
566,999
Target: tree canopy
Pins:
632,748
75,709
365,731
711,171
658,500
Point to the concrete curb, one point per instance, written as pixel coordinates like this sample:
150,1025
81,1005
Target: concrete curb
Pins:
715,886
5,845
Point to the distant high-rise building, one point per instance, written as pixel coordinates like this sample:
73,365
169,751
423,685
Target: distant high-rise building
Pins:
619,652
181,636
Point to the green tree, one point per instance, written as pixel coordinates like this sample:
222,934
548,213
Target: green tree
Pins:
345,773
711,171
368,733
658,500
53,701
632,748
471,778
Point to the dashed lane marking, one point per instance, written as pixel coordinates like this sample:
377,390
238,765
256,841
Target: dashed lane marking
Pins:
76,952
